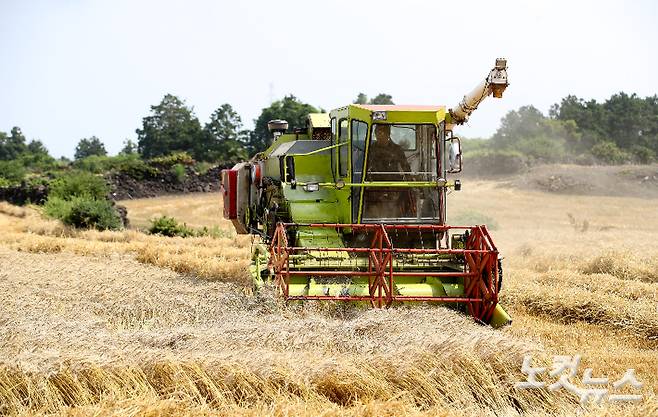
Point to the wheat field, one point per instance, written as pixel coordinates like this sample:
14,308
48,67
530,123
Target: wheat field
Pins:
125,323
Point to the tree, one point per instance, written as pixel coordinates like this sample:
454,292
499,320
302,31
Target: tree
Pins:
171,127
589,116
609,152
361,99
381,98
627,121
129,147
12,171
37,156
289,109
13,145
227,140
530,133
631,120
36,147
89,147
516,124
3,144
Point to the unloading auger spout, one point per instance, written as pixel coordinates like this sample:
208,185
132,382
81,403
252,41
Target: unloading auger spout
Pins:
494,84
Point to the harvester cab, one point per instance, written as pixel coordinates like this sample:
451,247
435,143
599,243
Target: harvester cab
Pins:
353,208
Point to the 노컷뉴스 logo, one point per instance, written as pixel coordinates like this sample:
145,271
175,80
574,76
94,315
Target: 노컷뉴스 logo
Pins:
566,367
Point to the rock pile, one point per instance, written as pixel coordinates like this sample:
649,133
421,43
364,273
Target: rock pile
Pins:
24,193
124,187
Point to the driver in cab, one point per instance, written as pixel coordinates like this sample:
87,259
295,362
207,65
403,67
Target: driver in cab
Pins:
387,160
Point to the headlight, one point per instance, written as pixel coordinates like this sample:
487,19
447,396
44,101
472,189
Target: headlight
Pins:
312,186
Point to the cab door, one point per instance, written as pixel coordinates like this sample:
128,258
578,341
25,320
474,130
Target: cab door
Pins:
340,161
358,137
343,173
343,151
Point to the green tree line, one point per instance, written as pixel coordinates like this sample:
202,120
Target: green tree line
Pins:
17,156
173,127
621,129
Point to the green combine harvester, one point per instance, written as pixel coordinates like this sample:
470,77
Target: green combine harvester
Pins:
353,208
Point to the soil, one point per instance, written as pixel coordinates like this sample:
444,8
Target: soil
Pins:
615,181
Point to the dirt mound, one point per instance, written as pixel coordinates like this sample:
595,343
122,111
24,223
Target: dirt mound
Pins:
617,181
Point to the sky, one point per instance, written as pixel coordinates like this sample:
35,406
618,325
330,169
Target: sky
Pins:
70,69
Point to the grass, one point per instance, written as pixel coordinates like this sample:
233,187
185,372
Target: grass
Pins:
166,325
601,299
625,265
12,210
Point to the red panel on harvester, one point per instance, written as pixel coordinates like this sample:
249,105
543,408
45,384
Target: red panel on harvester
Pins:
230,188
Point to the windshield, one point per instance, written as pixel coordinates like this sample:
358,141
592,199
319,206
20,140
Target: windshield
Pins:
402,152
407,153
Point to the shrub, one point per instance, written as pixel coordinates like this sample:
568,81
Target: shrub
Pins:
169,226
129,164
79,184
89,213
169,161
133,166
609,153
79,199
214,232
37,162
12,171
203,167
179,172
56,207
95,164
83,212
642,154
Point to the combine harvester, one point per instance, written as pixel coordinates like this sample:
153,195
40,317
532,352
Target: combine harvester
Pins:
353,208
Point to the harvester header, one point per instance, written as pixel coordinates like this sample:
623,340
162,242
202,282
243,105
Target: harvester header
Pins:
352,207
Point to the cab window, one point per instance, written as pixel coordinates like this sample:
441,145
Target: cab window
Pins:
359,133
343,149
401,152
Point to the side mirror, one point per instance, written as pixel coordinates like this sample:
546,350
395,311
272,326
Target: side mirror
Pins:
454,156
